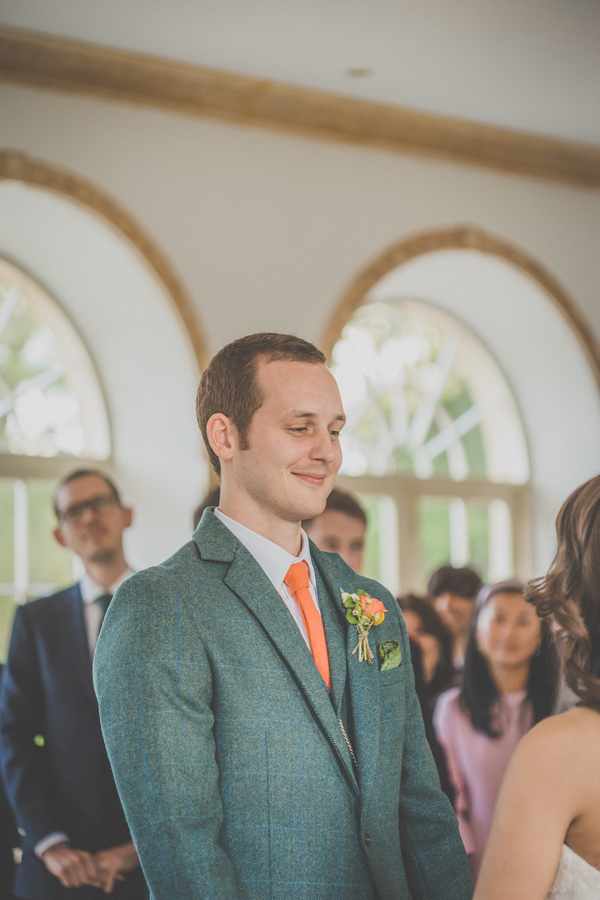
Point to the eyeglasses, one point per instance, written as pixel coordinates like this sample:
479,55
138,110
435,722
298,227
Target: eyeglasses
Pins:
95,504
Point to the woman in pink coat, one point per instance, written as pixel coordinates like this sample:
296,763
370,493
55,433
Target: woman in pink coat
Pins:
509,684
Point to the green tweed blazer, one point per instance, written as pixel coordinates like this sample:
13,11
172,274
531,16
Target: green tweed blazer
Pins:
226,746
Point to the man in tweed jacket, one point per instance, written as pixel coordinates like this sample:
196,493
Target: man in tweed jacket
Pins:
246,771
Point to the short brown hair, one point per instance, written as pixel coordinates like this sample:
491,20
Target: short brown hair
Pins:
229,384
83,473
463,582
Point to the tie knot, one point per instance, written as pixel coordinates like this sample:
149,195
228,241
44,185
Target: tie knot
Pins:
103,602
297,576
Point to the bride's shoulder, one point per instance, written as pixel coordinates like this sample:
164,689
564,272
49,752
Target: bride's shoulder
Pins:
566,738
580,720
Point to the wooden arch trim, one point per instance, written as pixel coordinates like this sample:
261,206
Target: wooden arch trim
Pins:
462,238
62,64
16,166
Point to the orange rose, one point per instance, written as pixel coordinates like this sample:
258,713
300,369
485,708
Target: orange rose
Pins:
375,610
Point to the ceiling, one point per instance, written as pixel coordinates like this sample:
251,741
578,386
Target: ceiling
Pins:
533,66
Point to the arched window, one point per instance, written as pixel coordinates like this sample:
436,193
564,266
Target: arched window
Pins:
434,443
52,418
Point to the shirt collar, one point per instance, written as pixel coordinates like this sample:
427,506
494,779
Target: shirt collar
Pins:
273,559
91,590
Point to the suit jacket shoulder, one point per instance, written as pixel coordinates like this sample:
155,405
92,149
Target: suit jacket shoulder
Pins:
45,606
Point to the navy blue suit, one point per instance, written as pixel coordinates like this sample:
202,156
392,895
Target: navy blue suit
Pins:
9,838
66,784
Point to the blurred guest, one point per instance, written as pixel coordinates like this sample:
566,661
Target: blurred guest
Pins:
428,630
341,528
210,501
509,683
431,653
75,838
545,838
454,592
9,838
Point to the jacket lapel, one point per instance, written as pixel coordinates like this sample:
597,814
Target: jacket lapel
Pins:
252,587
362,678
364,688
75,633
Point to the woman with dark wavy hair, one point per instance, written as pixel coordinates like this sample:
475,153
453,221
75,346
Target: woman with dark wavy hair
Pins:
509,683
545,839
428,630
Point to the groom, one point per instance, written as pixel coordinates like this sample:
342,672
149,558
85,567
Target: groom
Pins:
255,755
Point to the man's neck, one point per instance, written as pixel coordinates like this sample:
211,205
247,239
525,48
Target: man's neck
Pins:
106,573
285,534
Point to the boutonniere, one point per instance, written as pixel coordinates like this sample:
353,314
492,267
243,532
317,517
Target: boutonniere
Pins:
364,612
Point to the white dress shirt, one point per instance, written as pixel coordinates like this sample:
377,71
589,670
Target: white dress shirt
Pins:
90,591
275,562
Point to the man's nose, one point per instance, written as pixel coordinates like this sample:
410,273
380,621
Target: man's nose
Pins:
323,447
88,513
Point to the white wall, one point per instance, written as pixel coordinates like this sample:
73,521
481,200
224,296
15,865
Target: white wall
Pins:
267,229
143,357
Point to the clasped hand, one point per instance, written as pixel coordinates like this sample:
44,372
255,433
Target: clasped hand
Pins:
75,868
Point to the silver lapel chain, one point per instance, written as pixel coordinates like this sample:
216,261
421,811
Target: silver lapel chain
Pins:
347,739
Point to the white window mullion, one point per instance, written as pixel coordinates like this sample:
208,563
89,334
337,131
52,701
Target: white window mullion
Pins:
388,544
21,537
459,532
500,541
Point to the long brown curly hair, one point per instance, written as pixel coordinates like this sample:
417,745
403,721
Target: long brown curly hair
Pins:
568,597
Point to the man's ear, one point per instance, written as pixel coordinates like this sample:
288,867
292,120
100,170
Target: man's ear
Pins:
58,535
222,436
127,516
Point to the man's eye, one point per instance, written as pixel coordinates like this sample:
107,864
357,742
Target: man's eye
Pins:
334,433
299,430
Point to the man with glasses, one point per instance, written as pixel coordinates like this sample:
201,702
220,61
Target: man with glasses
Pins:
55,765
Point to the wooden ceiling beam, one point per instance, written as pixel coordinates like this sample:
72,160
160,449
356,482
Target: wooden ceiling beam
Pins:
66,65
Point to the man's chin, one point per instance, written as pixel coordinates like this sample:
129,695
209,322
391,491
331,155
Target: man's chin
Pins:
100,557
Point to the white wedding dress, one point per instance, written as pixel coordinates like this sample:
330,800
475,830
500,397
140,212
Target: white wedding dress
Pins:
576,879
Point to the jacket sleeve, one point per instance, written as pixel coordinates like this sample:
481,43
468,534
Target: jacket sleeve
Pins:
154,687
21,719
434,858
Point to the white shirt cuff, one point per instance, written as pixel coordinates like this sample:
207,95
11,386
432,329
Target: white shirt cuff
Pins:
57,837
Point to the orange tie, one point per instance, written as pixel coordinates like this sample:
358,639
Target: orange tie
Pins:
297,581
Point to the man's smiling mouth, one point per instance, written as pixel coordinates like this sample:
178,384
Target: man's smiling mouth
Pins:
310,479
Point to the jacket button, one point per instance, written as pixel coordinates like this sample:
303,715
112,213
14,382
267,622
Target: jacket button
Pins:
367,839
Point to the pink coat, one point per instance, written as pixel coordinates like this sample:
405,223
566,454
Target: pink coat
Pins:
477,763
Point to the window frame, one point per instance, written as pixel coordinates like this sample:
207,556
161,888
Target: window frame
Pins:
406,492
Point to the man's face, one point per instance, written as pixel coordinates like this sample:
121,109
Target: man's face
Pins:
293,453
455,611
336,532
95,535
